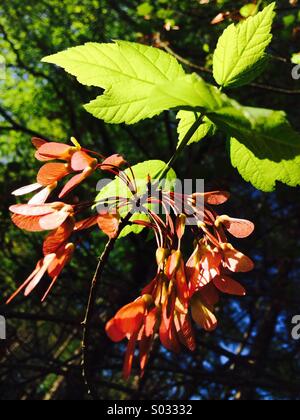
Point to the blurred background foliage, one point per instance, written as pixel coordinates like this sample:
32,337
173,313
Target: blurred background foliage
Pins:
252,354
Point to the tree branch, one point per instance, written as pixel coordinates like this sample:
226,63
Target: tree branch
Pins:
36,317
40,74
16,126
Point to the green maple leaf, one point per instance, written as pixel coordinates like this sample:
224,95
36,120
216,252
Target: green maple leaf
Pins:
139,81
263,145
127,71
240,53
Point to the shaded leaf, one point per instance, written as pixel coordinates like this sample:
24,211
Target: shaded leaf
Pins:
187,119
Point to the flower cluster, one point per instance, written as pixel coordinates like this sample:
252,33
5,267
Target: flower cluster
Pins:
60,161
181,291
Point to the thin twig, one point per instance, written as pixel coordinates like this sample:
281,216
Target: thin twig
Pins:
276,89
202,69
188,63
91,306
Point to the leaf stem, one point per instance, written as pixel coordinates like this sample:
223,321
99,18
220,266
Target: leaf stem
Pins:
182,146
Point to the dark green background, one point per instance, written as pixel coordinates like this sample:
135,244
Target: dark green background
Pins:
251,355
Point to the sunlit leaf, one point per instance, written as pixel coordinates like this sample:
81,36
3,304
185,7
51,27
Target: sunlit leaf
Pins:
240,53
